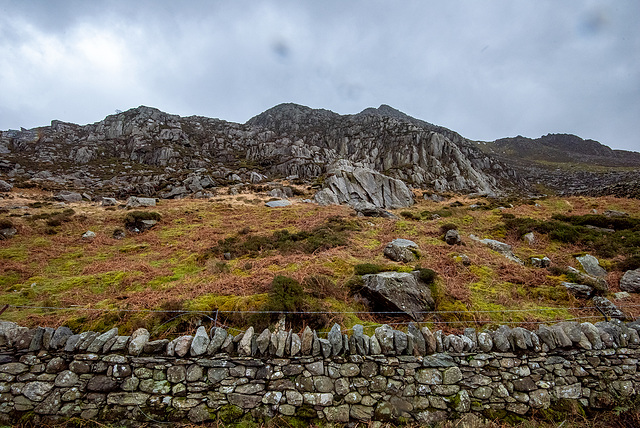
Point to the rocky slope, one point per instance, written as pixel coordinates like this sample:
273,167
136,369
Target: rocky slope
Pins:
145,151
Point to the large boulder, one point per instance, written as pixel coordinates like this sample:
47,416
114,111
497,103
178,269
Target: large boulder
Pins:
348,184
631,281
398,291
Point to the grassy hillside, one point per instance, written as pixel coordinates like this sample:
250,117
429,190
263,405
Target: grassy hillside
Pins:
180,264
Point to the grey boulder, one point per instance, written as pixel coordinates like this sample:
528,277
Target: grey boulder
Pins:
630,281
591,266
402,250
398,291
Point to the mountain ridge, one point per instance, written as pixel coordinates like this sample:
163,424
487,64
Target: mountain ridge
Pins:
147,151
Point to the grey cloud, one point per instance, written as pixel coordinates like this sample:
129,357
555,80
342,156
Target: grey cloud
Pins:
487,70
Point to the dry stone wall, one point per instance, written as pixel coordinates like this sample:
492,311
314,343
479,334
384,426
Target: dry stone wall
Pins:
51,374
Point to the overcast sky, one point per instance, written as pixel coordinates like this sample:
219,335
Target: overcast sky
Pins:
487,69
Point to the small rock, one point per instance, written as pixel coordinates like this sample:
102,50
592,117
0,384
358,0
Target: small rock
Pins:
138,339
109,202
88,235
200,342
529,238
462,258
621,295
66,196
278,203
591,266
614,213
5,187
452,237
544,262
631,281
135,201
402,250
579,290
608,307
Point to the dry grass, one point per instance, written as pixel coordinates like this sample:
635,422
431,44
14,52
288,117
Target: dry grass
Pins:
161,264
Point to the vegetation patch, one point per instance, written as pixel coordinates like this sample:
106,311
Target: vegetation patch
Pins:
333,233
622,238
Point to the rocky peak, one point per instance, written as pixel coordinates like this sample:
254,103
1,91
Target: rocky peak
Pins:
144,151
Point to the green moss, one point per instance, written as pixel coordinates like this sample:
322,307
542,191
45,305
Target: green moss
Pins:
9,279
230,413
16,253
133,248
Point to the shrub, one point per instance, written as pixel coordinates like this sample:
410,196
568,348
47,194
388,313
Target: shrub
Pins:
629,263
410,215
447,227
5,224
428,276
319,286
367,269
329,235
285,295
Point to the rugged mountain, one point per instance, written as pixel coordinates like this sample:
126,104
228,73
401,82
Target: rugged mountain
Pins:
568,164
145,151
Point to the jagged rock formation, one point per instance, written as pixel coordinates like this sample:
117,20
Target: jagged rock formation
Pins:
146,152
348,184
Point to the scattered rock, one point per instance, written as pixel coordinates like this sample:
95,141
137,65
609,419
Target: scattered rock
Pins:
529,238
543,262
402,250
606,306
66,196
452,237
5,187
119,234
462,258
499,247
579,290
8,232
278,203
89,235
614,213
621,295
398,291
630,281
367,209
109,202
591,266
134,202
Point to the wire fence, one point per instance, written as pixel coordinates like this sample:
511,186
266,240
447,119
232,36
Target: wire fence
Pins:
430,317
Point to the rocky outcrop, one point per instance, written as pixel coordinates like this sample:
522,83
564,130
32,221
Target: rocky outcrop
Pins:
146,152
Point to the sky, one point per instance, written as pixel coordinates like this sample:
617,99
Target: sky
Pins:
486,70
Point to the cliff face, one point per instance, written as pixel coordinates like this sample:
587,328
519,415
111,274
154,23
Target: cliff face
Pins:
148,152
